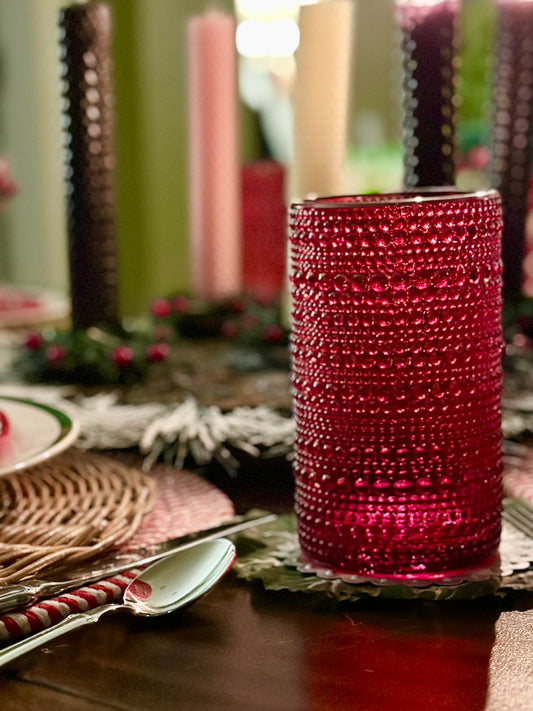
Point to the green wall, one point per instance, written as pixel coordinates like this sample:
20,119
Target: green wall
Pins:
151,145
149,55
33,247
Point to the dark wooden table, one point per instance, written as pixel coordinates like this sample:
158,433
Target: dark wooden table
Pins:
246,649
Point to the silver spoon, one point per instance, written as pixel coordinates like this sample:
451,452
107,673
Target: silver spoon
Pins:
168,584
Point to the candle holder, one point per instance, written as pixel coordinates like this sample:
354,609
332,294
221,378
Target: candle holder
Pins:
396,346
429,50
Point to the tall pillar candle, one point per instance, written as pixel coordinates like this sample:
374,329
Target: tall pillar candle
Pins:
428,38
264,229
512,132
85,36
214,170
321,99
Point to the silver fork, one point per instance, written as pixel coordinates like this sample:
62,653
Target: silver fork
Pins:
519,514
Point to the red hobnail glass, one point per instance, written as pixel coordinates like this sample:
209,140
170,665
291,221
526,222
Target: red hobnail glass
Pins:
396,346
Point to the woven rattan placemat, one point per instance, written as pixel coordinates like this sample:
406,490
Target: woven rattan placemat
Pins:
67,510
176,502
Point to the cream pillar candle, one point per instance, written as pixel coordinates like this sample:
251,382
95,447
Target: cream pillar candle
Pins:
214,171
321,99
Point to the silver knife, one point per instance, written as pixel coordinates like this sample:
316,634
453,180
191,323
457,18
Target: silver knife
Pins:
28,591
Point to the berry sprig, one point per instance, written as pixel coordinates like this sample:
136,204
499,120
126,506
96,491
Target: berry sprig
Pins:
101,355
91,356
244,320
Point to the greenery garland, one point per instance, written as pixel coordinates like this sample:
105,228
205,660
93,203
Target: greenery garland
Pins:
105,354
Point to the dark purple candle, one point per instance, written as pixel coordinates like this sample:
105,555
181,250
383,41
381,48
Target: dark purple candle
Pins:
429,44
85,34
512,132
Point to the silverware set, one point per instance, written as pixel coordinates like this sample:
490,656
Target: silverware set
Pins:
28,591
168,584
182,570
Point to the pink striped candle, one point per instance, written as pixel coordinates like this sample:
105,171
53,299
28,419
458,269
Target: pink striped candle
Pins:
214,170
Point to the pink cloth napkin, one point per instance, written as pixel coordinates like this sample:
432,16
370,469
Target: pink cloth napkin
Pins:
184,502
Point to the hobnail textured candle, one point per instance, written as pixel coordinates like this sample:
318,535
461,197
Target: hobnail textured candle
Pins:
396,346
512,132
429,51
85,37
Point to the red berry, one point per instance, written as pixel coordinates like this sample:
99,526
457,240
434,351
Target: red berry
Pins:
229,330
156,352
55,354
34,342
122,356
161,308
180,304
237,305
273,333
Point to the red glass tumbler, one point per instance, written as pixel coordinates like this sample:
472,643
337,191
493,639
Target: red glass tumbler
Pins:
396,345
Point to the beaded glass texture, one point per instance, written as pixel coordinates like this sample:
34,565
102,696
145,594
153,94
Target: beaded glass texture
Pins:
396,348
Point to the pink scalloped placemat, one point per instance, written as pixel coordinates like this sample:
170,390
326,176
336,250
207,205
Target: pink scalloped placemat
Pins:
518,474
184,503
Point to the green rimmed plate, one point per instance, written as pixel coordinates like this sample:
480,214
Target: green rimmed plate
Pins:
36,432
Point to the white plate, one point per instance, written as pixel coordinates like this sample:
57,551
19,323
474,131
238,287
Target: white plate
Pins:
30,306
36,432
